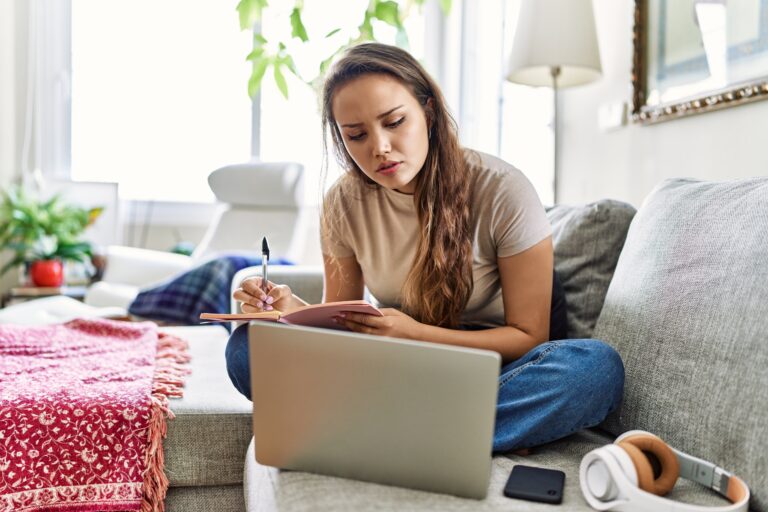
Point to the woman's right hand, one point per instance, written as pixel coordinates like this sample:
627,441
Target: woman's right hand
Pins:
278,296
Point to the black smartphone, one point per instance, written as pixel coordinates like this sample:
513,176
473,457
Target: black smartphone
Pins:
535,484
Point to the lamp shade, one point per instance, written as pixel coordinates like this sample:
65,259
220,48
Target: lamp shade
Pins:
555,33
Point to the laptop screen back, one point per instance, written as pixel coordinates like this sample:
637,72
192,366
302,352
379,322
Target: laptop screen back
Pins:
411,414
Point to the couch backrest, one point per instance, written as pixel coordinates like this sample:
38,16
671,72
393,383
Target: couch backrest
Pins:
687,309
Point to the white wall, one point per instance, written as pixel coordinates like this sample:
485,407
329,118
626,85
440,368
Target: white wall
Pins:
627,163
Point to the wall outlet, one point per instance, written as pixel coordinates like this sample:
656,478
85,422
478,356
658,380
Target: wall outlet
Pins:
612,116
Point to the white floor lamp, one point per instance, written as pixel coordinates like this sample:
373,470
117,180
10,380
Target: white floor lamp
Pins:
555,45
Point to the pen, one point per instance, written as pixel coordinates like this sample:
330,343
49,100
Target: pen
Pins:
264,261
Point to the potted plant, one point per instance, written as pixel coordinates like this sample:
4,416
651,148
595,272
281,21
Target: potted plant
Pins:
43,234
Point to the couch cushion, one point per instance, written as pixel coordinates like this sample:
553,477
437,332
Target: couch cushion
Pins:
267,489
587,240
687,311
220,498
207,440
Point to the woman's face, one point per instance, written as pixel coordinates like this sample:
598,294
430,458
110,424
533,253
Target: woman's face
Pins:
384,129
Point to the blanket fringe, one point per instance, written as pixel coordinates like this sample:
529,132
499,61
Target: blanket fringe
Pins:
168,381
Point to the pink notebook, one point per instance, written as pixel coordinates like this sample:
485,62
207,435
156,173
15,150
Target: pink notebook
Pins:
314,315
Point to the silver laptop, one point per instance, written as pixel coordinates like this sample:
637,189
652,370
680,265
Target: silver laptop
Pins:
384,410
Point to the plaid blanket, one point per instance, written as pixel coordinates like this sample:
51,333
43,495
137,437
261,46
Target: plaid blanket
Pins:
205,288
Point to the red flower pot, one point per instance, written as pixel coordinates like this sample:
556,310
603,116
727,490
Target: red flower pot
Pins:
47,273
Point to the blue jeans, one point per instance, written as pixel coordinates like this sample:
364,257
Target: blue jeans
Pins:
554,390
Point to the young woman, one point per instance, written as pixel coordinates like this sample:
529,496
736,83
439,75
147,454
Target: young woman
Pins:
453,243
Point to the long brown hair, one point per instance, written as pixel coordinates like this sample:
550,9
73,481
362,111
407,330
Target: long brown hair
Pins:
439,284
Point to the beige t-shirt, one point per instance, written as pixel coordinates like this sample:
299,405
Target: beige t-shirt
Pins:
380,228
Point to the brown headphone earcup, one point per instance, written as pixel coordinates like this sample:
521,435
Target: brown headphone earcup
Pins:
670,468
642,466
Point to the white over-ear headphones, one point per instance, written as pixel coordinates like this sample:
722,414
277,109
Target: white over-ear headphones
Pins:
620,476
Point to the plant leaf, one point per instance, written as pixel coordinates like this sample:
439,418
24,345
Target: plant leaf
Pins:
288,62
332,32
93,214
297,27
366,29
388,12
255,54
250,12
259,68
280,81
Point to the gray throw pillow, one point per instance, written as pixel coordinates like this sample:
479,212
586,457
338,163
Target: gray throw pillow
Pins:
687,311
587,240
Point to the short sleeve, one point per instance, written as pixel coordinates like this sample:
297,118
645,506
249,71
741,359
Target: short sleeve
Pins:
518,219
334,229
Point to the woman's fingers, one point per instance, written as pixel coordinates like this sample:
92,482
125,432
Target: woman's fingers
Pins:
247,308
278,293
255,300
247,299
252,286
356,326
358,322
362,319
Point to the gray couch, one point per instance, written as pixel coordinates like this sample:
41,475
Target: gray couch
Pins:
685,307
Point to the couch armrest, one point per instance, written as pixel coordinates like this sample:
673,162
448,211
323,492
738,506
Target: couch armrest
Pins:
102,294
142,267
305,281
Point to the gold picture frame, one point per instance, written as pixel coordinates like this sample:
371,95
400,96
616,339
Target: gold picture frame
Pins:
676,75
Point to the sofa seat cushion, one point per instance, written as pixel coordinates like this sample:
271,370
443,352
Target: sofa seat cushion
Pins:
687,311
587,241
207,441
268,489
219,498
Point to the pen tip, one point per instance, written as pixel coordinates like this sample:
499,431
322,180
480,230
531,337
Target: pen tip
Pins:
264,245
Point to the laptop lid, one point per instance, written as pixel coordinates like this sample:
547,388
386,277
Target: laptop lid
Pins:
384,410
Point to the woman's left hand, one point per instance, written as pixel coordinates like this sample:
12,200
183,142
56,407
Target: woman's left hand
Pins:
394,323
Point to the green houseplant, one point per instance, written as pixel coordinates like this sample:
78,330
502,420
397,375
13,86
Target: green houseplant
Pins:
278,54
42,234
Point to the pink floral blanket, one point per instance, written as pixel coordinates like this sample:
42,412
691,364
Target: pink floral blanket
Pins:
83,407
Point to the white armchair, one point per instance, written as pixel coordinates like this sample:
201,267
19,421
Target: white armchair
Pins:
257,199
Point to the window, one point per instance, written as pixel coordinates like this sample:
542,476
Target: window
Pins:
159,100
527,134
495,116
159,95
